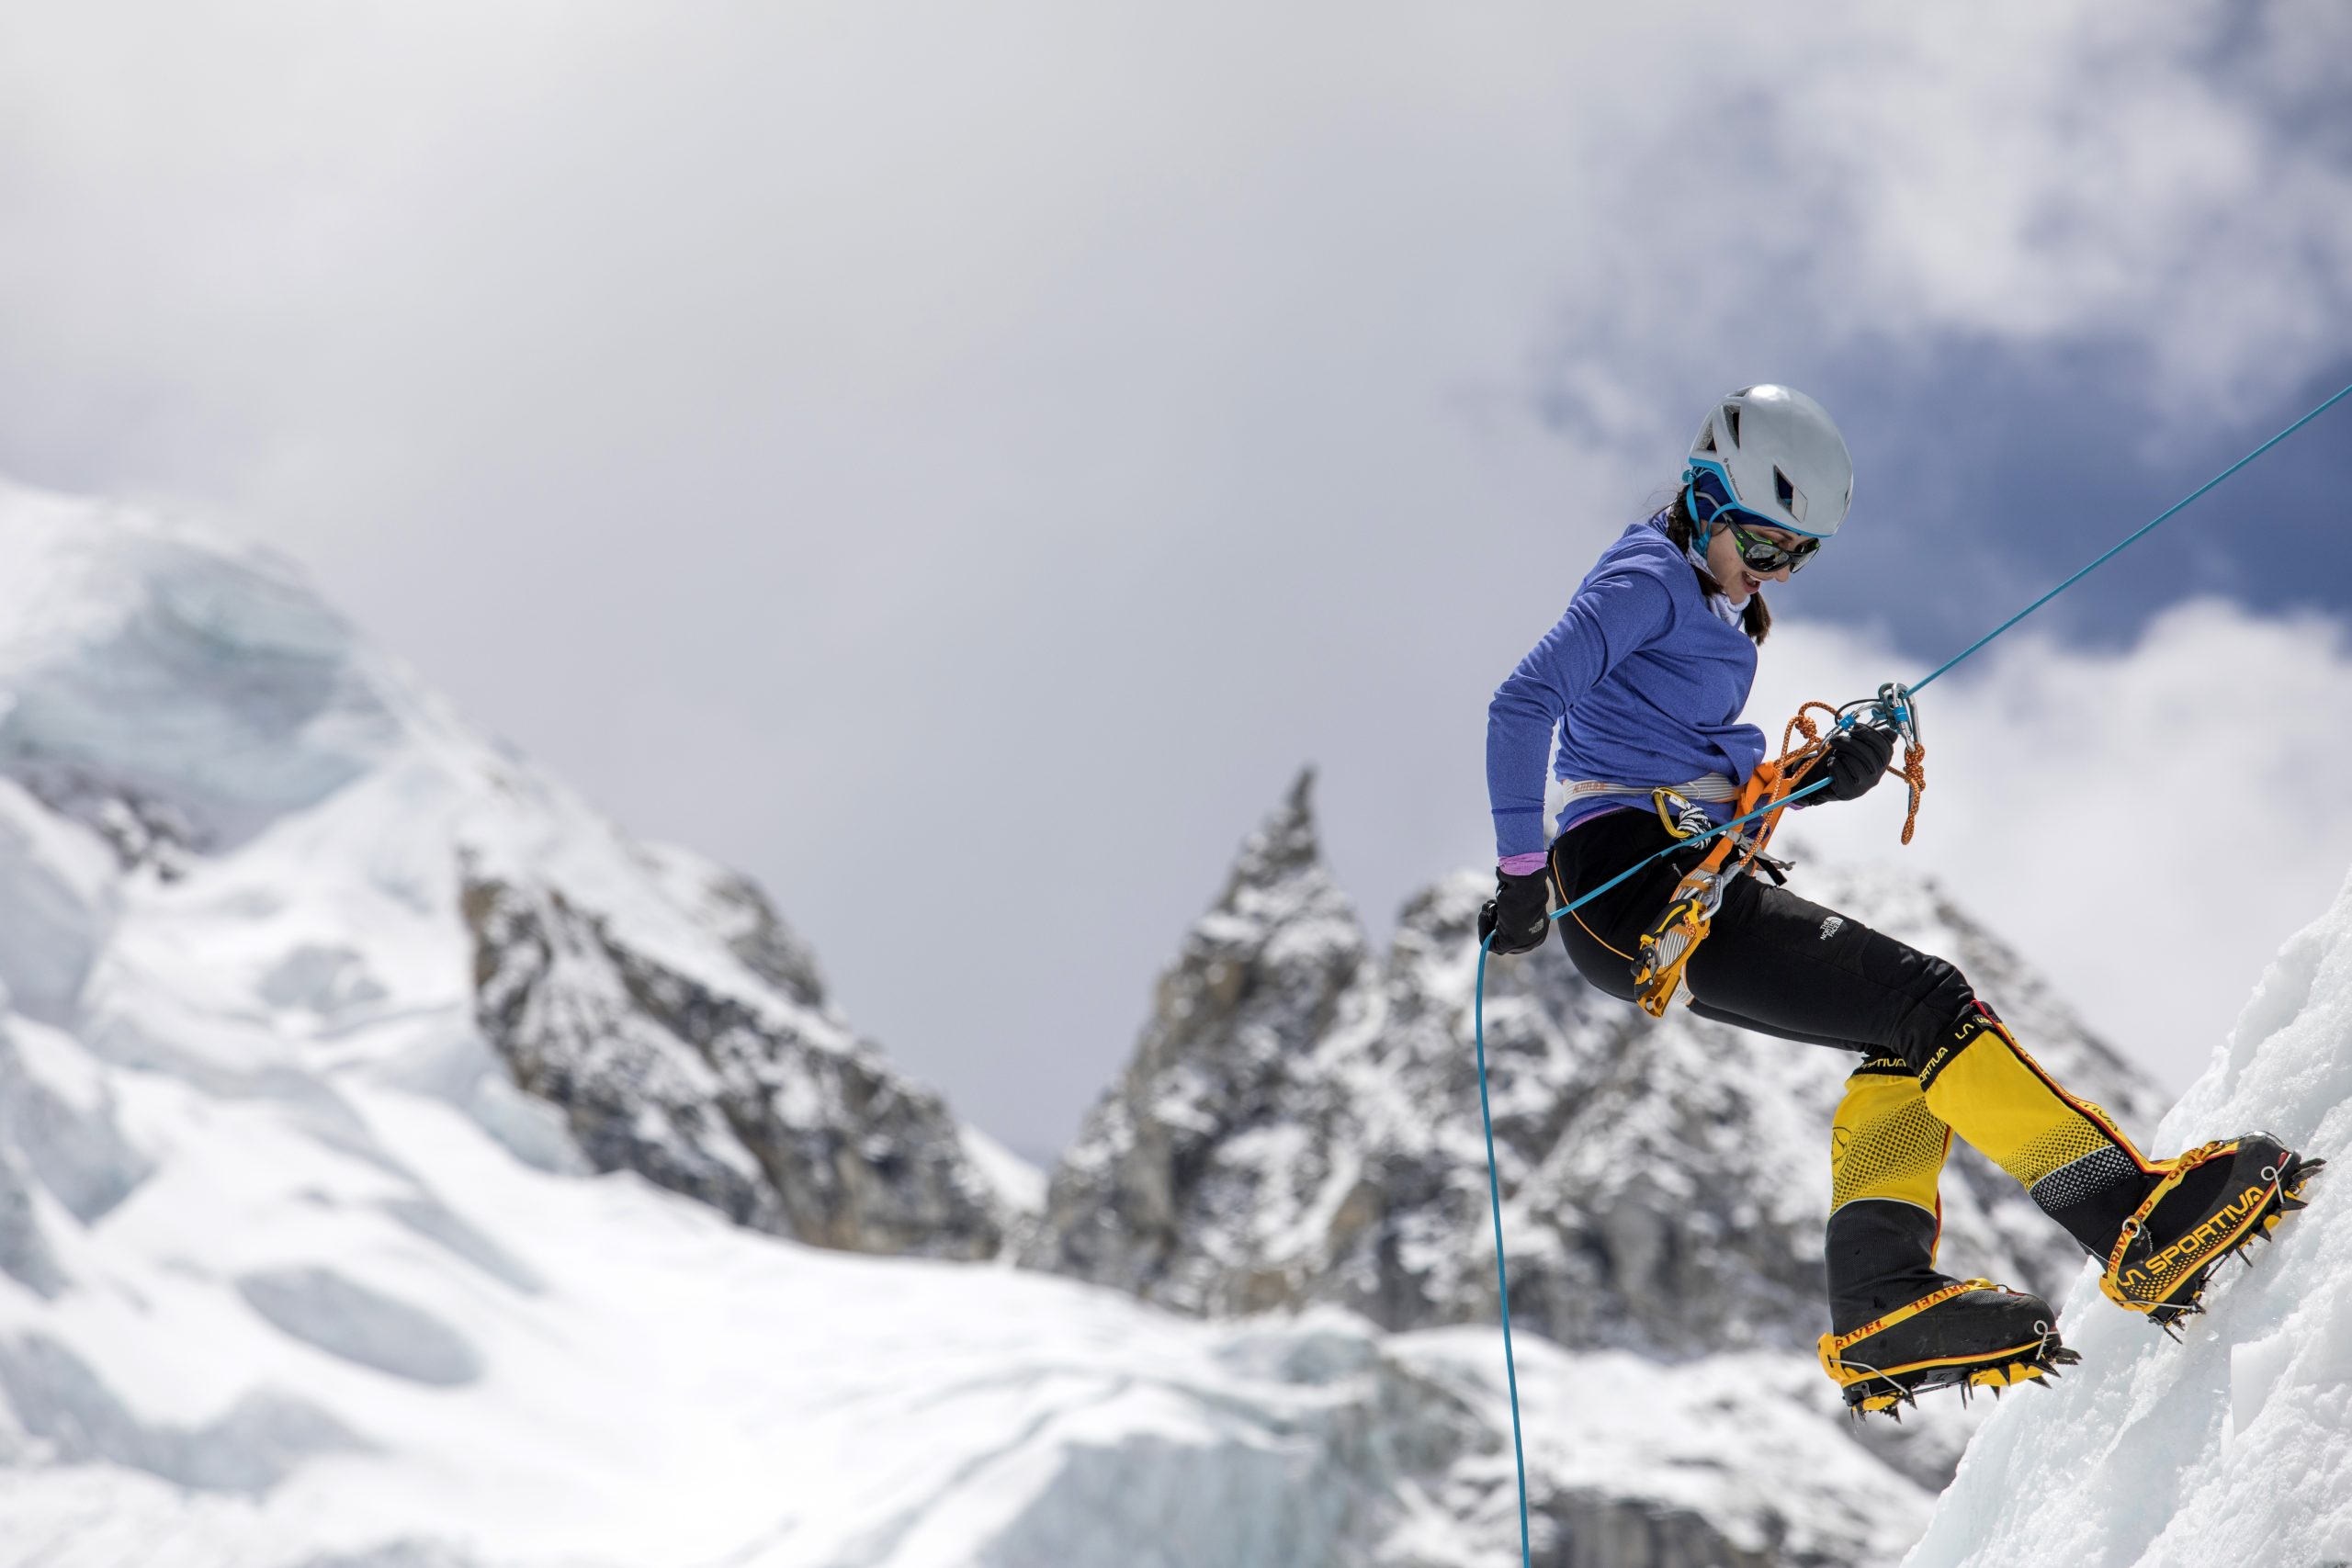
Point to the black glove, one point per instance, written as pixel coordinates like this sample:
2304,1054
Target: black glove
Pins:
1856,761
1518,916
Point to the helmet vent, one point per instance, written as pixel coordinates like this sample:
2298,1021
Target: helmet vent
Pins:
1731,424
1706,438
1790,497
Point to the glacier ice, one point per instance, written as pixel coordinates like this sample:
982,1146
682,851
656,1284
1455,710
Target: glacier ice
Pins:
2234,1446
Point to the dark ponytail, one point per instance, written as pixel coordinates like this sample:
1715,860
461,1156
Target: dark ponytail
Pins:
1756,620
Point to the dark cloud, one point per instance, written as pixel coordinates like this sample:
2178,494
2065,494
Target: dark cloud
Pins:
1989,475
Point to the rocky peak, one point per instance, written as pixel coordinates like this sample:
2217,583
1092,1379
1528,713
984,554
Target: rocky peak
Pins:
1283,849
736,909
1277,966
1665,1181
726,1082
1266,965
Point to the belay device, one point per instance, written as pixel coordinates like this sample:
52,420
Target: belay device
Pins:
1666,947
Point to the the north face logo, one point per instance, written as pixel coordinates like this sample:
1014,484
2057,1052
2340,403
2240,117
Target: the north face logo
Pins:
1830,925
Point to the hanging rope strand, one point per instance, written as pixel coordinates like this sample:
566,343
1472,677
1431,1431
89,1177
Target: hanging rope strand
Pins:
1502,1276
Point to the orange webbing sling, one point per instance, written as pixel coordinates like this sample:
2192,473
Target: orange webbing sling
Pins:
1682,925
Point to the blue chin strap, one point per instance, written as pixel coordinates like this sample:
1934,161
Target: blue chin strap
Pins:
1701,529
1703,532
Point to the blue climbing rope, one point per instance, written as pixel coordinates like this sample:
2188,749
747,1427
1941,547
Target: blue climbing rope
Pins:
1478,1001
1502,1279
1487,1118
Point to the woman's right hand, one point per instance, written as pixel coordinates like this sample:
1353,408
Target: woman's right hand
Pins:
1857,758
1518,916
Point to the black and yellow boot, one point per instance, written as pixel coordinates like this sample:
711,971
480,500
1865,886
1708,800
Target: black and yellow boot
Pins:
2073,1160
2210,1202
2158,1226
1967,1334
1897,1325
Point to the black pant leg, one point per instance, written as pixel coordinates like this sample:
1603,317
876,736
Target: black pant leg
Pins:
1773,962
1802,970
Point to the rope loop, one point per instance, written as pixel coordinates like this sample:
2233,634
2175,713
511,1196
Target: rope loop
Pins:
1914,772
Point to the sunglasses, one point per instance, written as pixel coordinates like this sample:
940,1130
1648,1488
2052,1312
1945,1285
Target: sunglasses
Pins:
1708,497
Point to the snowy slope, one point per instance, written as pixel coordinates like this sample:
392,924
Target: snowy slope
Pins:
2236,1447
644,1384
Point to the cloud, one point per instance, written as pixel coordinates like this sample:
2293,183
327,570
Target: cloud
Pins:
1874,182
892,442
2147,823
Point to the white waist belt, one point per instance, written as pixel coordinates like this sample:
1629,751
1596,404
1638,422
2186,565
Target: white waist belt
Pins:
1707,786
1559,793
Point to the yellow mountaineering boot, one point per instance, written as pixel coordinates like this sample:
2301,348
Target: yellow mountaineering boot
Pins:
2211,1201
2073,1162
1897,1325
2158,1225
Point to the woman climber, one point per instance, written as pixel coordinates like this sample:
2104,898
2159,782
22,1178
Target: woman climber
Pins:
1642,683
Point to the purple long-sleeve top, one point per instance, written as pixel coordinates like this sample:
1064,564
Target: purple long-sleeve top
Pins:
1640,680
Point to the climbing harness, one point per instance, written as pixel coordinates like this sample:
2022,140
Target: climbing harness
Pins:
1666,947
1674,937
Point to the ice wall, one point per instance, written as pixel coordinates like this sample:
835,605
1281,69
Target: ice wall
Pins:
2236,1446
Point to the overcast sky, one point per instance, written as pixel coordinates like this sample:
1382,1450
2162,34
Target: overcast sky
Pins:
958,462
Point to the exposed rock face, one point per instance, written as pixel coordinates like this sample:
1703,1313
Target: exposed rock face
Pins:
1301,1124
1263,977
1595,1529
731,1084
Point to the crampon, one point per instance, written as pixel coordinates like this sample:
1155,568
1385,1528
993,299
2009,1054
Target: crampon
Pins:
1971,1334
2213,1203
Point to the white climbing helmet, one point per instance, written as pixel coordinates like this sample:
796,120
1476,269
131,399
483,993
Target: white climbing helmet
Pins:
1774,452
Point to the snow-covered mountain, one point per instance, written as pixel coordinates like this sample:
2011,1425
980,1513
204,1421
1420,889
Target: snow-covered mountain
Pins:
237,838
1300,1123
2234,1446
322,1018
402,1168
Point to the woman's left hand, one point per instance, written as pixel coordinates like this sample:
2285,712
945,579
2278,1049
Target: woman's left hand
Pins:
1518,916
